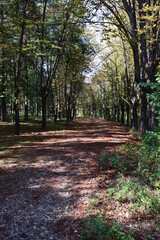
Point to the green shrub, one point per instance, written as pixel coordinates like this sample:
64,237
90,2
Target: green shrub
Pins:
149,160
116,161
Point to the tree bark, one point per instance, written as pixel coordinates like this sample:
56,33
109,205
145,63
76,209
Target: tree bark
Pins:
128,114
134,113
3,70
143,120
17,74
43,88
152,120
26,94
122,111
44,112
16,103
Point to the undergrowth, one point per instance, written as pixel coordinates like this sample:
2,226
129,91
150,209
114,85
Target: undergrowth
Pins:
99,229
137,184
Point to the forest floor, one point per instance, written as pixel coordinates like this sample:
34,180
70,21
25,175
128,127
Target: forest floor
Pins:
47,179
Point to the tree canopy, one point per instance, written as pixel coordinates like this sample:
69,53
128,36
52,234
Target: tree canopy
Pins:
46,53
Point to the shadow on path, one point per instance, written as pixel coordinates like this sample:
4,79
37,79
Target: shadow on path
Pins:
45,184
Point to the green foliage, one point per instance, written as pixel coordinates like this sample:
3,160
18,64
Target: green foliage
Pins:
93,202
149,161
154,96
139,188
116,161
143,158
99,229
134,192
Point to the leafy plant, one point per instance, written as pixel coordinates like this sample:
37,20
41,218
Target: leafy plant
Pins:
116,161
93,202
132,191
99,229
149,161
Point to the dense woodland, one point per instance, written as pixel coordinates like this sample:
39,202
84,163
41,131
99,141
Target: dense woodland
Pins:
46,52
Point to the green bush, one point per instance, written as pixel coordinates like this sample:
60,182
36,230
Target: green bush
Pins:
116,161
149,160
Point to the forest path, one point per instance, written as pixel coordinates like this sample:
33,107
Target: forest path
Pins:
45,185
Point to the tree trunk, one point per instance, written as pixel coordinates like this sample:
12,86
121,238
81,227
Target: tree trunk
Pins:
118,112
122,111
55,114
3,101
12,111
25,109
143,120
43,112
37,107
48,109
152,121
115,113
128,114
26,94
134,112
37,98
16,103
3,70
43,89
17,74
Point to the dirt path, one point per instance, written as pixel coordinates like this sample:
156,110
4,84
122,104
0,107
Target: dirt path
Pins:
45,186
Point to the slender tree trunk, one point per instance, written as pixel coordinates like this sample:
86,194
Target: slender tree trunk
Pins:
48,109
33,107
65,95
56,104
43,89
37,97
16,103
3,97
12,110
143,55
26,94
115,113
37,107
122,111
59,101
55,114
112,118
143,120
44,112
3,69
68,110
134,112
17,74
128,113
118,112
26,109
0,112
